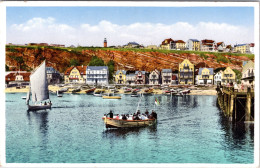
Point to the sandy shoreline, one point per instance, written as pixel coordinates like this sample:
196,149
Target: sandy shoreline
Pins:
156,91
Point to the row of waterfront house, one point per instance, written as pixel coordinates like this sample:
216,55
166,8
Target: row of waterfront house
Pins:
187,74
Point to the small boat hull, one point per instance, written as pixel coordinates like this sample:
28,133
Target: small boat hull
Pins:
38,107
111,97
118,123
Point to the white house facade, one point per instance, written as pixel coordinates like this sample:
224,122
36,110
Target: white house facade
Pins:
217,78
97,75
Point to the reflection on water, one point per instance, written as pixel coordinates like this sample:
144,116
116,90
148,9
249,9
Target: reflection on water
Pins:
124,132
73,132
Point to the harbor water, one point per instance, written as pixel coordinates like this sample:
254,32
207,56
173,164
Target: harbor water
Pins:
190,129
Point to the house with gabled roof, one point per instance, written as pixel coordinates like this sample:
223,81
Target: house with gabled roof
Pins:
167,44
186,72
17,78
120,77
155,77
179,45
97,75
228,48
166,76
140,77
221,47
205,76
228,76
75,74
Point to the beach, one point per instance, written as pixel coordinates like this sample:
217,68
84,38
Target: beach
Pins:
54,88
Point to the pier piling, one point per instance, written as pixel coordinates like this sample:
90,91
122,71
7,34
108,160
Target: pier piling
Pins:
236,106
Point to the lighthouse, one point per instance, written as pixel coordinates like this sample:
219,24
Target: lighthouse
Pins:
105,42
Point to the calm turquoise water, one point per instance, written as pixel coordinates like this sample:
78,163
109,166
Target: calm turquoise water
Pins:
190,129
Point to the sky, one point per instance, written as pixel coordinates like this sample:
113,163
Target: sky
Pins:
88,26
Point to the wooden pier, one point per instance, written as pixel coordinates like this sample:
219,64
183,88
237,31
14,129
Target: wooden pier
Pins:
238,106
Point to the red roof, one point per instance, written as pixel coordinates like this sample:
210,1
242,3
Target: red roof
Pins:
252,44
81,69
219,43
167,41
228,46
11,76
179,41
205,41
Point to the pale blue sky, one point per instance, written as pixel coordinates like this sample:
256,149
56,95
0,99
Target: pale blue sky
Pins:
88,26
128,15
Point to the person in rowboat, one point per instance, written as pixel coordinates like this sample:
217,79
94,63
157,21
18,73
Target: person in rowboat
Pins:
110,114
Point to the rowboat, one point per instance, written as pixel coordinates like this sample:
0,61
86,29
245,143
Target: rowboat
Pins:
119,123
99,92
90,90
62,90
111,97
76,90
148,91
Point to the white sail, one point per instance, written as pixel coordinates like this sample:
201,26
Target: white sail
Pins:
39,84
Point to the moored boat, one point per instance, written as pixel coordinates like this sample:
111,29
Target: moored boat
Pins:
148,91
78,89
111,97
63,90
89,91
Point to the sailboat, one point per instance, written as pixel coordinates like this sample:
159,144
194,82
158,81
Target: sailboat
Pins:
38,89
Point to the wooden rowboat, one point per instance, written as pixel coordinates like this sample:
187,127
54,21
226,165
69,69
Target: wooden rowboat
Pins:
90,90
119,123
111,97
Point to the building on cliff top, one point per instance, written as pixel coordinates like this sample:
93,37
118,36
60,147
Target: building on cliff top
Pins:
193,45
208,45
167,44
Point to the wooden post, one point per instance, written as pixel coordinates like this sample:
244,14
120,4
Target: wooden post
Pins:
248,105
231,104
224,106
235,98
